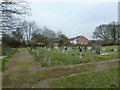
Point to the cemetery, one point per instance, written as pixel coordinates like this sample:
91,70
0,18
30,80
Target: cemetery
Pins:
73,54
59,45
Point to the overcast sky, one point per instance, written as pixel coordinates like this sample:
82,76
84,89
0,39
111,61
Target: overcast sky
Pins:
74,18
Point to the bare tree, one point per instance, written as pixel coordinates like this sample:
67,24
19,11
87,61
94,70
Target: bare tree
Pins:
102,32
28,27
10,12
48,33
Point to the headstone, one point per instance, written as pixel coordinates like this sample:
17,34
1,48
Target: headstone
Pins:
79,55
56,47
85,48
91,50
66,49
115,50
63,51
103,49
98,50
58,50
33,50
80,49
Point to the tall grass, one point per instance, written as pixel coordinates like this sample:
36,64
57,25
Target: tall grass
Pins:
11,52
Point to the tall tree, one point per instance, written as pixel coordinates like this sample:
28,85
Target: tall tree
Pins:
108,32
114,31
102,32
48,33
28,27
62,39
10,12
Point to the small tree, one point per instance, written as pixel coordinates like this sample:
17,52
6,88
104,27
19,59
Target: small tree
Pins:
62,39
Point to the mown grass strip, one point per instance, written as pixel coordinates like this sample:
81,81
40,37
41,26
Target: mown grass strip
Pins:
101,79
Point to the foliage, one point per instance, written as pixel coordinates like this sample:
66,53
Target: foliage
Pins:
101,79
38,58
9,41
108,32
49,38
63,40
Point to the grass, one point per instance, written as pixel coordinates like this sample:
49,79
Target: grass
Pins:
24,74
55,73
38,58
52,57
9,55
0,50
101,79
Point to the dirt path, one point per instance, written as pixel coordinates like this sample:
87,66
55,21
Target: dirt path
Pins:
23,72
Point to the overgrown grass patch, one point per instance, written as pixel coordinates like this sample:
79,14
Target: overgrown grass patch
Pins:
101,79
39,59
9,55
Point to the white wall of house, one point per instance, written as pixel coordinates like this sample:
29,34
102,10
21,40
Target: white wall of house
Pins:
73,41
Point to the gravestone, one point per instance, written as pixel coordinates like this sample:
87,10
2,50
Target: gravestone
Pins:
80,49
98,50
58,50
79,55
63,51
90,50
33,50
66,49
103,49
93,47
85,48
115,50
38,53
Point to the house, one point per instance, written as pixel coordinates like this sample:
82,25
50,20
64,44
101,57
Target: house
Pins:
79,40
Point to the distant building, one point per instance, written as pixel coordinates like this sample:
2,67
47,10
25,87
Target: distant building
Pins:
79,40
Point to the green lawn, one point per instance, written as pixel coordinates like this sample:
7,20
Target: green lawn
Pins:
53,58
101,79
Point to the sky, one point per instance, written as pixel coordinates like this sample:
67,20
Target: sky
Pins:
73,18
